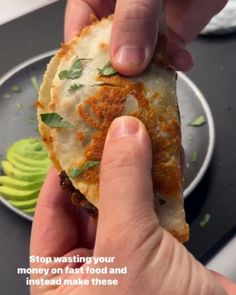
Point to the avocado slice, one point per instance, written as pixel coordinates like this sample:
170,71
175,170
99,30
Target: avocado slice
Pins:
11,171
29,204
19,184
29,148
29,211
14,194
11,156
28,168
25,170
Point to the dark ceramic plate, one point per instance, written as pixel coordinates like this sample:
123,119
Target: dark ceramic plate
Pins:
18,118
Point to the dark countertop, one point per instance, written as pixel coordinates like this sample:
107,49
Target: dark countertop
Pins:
214,73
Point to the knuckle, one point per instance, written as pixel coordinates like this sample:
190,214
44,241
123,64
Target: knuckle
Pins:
138,9
134,15
120,161
132,234
123,156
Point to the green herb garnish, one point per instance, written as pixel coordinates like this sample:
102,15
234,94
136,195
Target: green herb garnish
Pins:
107,70
74,72
73,88
16,89
35,83
205,220
75,172
6,95
31,119
194,157
201,120
54,120
19,106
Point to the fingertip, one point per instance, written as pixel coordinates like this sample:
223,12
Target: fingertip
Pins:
51,180
77,16
51,193
131,60
182,60
124,126
129,129
134,35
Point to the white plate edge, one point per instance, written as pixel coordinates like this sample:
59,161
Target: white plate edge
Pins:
211,128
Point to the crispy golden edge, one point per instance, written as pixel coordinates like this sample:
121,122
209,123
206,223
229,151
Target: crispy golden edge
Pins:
42,107
183,235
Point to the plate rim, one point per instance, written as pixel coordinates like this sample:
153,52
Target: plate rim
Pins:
211,129
193,86
16,210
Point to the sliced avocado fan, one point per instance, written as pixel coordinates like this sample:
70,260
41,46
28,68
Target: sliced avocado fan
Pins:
24,169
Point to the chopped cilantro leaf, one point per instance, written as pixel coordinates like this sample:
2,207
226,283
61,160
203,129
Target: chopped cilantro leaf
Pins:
54,120
19,106
6,95
194,157
16,89
74,71
201,120
73,88
35,83
107,70
75,172
205,220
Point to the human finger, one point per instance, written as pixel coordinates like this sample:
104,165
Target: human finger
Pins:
180,58
134,35
126,191
57,228
78,14
187,18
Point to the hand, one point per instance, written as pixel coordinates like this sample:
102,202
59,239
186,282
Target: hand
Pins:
128,228
135,28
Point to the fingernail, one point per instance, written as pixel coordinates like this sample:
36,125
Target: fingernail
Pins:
122,127
130,55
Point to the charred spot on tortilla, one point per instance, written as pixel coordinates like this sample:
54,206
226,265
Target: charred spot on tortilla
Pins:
83,88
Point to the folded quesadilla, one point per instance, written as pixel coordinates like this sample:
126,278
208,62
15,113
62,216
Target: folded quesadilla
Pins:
82,94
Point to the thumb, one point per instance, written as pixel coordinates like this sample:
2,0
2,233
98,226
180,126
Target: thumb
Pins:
126,195
134,35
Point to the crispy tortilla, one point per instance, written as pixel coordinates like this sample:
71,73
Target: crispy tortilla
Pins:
151,97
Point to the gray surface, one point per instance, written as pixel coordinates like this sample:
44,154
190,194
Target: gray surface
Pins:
225,261
214,73
20,40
